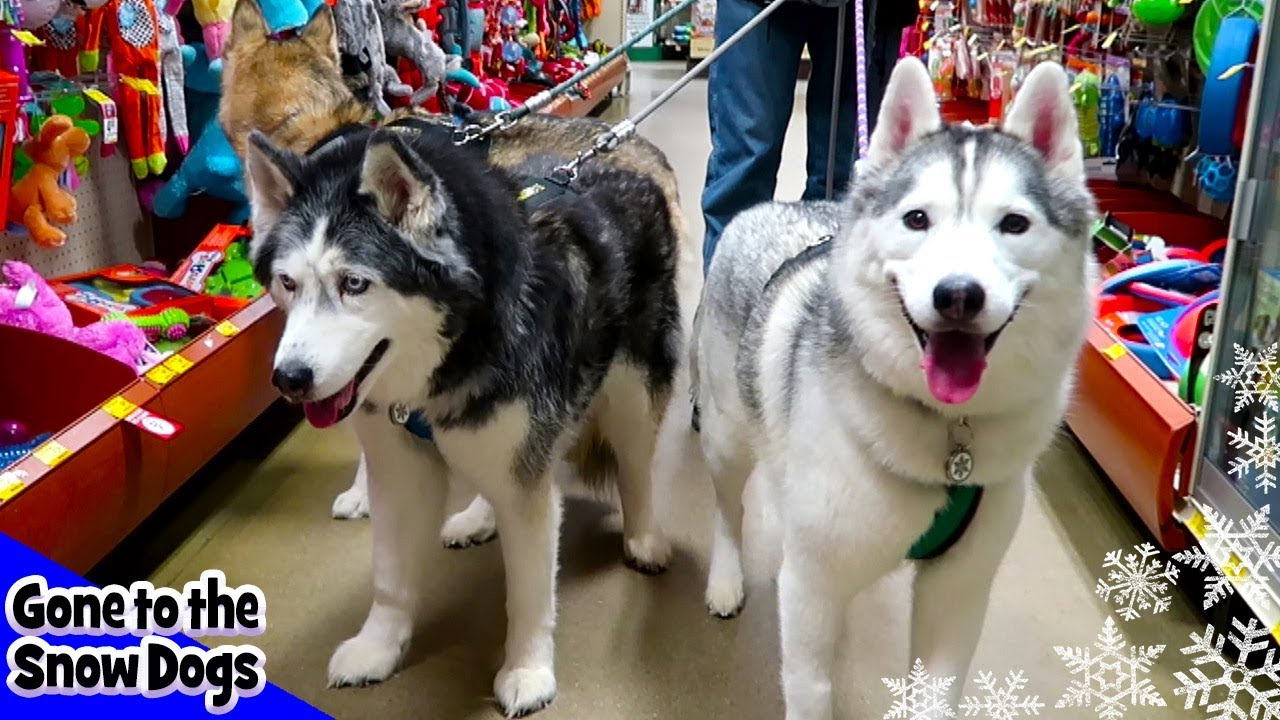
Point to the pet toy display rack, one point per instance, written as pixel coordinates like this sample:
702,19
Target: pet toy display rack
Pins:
83,490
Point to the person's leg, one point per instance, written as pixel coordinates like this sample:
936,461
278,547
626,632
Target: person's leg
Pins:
823,37
881,57
750,94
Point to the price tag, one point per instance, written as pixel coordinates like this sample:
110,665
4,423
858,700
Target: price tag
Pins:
161,374
227,328
178,364
118,408
1197,525
162,428
51,453
110,121
1115,351
10,486
26,37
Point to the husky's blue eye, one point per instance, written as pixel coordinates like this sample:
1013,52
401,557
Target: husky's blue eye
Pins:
287,283
916,220
354,285
1014,224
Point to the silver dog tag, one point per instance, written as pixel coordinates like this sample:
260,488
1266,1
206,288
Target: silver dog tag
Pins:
960,462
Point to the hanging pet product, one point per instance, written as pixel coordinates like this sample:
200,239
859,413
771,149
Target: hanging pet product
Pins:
1223,89
507,118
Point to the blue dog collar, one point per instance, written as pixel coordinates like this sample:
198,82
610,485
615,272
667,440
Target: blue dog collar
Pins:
412,420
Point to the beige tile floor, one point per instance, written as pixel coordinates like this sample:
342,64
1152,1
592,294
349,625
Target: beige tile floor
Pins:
632,647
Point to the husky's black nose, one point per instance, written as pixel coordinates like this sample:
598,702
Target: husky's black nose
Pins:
959,298
293,379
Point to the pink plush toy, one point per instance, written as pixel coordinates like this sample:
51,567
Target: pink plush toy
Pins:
27,301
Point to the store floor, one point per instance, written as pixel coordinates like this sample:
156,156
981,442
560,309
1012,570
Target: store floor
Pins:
628,646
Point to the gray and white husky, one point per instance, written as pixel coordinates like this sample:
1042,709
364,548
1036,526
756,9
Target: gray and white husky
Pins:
414,282
875,355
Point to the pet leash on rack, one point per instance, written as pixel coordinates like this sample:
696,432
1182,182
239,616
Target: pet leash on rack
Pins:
611,138
506,118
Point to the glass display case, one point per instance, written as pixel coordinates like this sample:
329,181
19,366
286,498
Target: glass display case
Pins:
1238,470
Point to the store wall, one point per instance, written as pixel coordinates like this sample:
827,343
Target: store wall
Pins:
608,26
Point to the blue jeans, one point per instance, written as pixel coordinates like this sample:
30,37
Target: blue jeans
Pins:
750,94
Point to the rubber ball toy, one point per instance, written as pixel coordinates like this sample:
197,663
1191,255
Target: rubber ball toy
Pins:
1158,12
1217,177
13,432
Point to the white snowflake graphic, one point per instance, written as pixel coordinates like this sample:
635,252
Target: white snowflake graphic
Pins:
1240,557
1262,452
1236,679
1137,581
919,696
1114,679
1254,378
1001,703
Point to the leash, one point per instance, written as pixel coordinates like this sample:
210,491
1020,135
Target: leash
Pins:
506,118
611,138
832,134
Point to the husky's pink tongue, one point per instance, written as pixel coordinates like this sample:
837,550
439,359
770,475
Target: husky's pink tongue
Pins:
327,412
953,364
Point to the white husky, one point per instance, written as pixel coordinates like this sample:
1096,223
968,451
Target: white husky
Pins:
896,363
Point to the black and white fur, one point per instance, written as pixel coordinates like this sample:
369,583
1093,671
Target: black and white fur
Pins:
407,264
807,362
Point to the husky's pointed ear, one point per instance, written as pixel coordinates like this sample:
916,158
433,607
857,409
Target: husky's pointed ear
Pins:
271,177
909,110
321,34
406,191
247,20
1044,116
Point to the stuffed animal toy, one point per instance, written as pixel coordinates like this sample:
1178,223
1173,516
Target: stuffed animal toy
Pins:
214,16
364,54
37,201
211,166
172,72
27,301
407,37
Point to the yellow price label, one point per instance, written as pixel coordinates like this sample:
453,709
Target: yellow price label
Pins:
1115,351
178,364
26,37
228,328
142,85
8,491
1197,525
161,374
98,96
118,407
52,453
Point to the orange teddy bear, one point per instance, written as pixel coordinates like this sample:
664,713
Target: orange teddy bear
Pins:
37,200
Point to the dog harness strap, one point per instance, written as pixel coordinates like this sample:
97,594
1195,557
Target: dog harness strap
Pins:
479,145
950,524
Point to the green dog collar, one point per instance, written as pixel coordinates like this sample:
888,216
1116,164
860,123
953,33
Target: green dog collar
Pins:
950,524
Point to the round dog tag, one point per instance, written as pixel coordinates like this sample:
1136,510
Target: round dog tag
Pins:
959,465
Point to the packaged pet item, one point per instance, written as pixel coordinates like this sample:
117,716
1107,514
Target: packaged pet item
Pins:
219,266
119,289
27,301
37,200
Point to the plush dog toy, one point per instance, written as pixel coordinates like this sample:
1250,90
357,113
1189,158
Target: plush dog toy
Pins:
364,54
408,38
27,301
37,201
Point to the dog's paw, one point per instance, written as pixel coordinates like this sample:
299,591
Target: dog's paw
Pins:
725,596
351,504
467,528
359,661
649,554
524,690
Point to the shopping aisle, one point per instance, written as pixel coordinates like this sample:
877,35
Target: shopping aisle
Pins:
633,647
